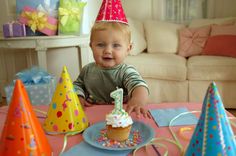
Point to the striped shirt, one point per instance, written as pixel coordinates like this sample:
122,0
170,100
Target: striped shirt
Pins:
95,83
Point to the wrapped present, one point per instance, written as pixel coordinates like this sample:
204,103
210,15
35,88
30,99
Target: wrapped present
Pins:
39,85
70,16
14,29
47,6
38,20
30,32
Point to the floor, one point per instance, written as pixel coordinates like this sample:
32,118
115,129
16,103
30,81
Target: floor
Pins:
232,111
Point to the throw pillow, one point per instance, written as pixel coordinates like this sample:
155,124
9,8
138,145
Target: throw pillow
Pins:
192,40
221,45
137,37
223,30
162,36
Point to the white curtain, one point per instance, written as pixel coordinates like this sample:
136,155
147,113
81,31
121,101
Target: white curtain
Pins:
182,11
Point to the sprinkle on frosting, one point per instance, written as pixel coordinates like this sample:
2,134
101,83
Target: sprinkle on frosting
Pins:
118,118
135,139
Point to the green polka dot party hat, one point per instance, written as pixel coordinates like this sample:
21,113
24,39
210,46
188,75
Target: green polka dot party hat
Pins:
213,135
65,113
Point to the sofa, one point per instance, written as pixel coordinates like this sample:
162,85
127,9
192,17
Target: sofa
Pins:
176,77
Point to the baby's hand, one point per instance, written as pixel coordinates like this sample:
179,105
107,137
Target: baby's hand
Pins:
84,103
137,107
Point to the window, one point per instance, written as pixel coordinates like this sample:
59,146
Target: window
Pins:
182,11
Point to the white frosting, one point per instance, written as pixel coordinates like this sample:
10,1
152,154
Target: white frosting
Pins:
118,118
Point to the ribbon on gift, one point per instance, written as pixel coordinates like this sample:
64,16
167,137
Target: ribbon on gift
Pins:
35,75
46,7
10,24
37,20
71,11
66,13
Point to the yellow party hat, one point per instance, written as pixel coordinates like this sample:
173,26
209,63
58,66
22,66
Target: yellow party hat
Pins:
65,113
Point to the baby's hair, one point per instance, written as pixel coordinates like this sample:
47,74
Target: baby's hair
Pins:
99,26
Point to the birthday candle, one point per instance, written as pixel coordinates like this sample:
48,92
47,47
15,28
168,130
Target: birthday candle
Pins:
117,95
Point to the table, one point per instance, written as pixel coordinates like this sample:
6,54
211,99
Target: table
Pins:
42,43
97,114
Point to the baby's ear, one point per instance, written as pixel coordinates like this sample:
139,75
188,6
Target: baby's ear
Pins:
90,44
130,46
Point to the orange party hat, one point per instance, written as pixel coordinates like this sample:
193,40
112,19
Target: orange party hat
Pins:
22,133
65,113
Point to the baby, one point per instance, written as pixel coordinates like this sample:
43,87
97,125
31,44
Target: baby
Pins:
110,42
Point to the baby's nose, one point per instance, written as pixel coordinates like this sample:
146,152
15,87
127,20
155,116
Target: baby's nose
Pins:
108,49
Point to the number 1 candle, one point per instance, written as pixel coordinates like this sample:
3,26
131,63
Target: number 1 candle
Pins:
117,95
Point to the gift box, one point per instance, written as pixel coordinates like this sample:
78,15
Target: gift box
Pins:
38,20
30,32
39,85
14,29
47,6
70,16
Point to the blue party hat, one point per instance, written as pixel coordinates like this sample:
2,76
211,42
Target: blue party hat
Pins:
213,134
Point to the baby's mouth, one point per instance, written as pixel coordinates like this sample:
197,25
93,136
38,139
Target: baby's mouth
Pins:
107,58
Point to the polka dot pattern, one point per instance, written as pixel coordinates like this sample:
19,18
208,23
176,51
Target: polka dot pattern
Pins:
22,133
65,111
213,133
111,11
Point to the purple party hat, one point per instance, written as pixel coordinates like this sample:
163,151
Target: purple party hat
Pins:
213,134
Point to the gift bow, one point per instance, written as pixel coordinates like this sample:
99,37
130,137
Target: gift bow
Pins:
34,75
76,12
37,20
66,13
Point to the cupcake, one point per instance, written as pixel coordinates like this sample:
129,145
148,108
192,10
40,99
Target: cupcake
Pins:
118,124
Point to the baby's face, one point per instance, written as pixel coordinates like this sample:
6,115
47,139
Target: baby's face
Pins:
110,47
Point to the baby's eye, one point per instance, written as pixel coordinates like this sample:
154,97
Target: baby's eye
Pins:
116,45
100,44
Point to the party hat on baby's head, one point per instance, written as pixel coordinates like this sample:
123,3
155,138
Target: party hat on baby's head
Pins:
22,133
111,11
65,113
213,134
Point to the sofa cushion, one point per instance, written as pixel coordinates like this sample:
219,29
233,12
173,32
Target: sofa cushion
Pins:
159,34
192,40
211,68
159,66
204,22
137,36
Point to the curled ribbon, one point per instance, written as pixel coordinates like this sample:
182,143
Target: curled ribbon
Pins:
66,13
37,20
